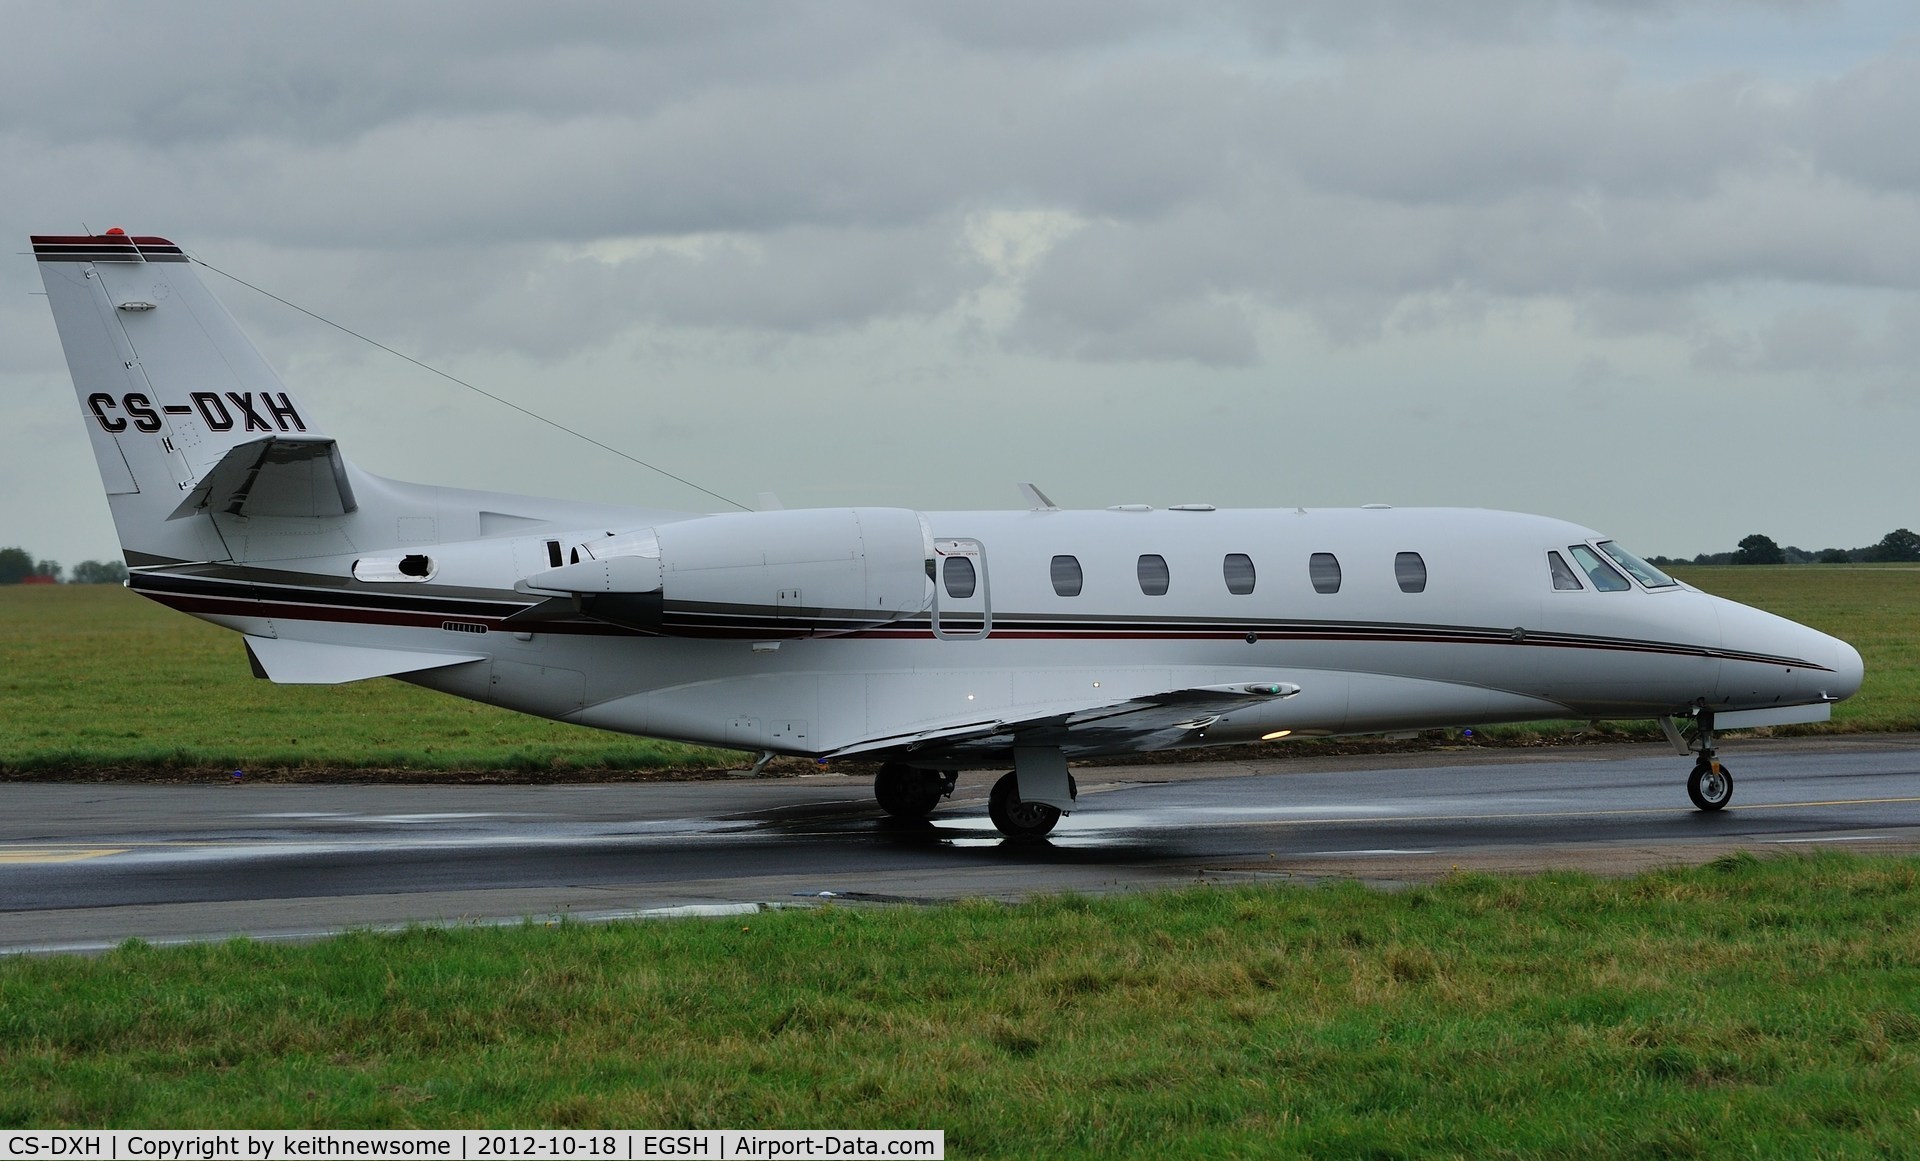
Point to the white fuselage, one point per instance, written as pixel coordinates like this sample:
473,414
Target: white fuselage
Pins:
1487,638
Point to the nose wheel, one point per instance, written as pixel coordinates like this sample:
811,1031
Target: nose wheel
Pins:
1711,783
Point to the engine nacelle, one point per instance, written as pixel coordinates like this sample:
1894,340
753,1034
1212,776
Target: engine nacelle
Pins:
801,573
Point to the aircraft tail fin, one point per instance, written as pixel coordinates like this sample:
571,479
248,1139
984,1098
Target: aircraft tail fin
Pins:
182,410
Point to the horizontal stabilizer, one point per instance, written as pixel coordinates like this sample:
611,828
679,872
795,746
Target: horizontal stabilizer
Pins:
274,477
317,663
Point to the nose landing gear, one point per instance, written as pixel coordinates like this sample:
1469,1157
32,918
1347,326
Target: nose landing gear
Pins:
1711,783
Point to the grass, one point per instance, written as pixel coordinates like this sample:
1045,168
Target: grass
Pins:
1876,609
95,679
1745,1008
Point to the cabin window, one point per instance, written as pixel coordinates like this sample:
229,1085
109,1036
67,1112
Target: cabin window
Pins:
958,574
1410,571
1564,579
1603,575
553,554
1153,575
1066,576
1643,572
1323,568
1237,568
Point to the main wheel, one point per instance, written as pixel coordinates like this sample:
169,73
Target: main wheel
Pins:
1017,819
908,792
1710,785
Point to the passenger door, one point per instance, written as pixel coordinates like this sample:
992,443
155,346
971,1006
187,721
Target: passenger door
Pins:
962,603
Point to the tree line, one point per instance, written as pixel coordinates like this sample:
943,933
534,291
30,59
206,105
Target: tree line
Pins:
17,565
1901,544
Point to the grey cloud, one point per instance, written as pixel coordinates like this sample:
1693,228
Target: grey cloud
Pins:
1214,333
1847,121
905,140
187,75
1493,166
1481,123
1823,341
544,304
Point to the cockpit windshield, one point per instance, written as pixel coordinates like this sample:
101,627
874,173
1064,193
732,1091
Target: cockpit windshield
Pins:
1603,575
1643,572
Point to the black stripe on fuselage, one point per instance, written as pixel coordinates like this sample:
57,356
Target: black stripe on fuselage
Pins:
349,601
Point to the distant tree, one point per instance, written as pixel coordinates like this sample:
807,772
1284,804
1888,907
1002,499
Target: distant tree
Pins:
1758,549
99,572
1900,544
16,565
52,568
1835,556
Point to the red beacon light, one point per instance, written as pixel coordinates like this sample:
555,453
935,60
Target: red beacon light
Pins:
116,232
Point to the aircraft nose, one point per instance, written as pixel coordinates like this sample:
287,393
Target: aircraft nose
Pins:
1834,674
1848,670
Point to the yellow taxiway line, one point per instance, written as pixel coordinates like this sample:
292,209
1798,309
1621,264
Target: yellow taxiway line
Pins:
11,855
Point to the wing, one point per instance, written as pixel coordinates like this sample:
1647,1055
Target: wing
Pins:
1149,721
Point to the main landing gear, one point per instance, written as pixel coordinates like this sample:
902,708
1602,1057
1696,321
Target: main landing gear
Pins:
1023,820
1711,783
910,792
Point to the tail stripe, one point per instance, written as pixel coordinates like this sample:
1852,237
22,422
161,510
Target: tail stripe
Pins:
104,248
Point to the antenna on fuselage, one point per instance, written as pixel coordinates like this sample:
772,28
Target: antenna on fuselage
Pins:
1038,499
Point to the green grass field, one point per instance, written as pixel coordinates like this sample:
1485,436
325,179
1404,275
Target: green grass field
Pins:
1875,608
1741,1009
93,678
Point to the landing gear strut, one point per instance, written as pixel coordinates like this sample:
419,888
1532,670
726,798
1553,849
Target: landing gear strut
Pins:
1711,783
910,792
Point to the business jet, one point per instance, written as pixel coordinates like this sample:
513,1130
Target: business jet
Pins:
930,642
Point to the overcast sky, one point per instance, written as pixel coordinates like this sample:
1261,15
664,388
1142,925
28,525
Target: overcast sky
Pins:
1649,265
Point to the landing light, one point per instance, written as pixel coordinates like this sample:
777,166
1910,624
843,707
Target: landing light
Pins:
1275,735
